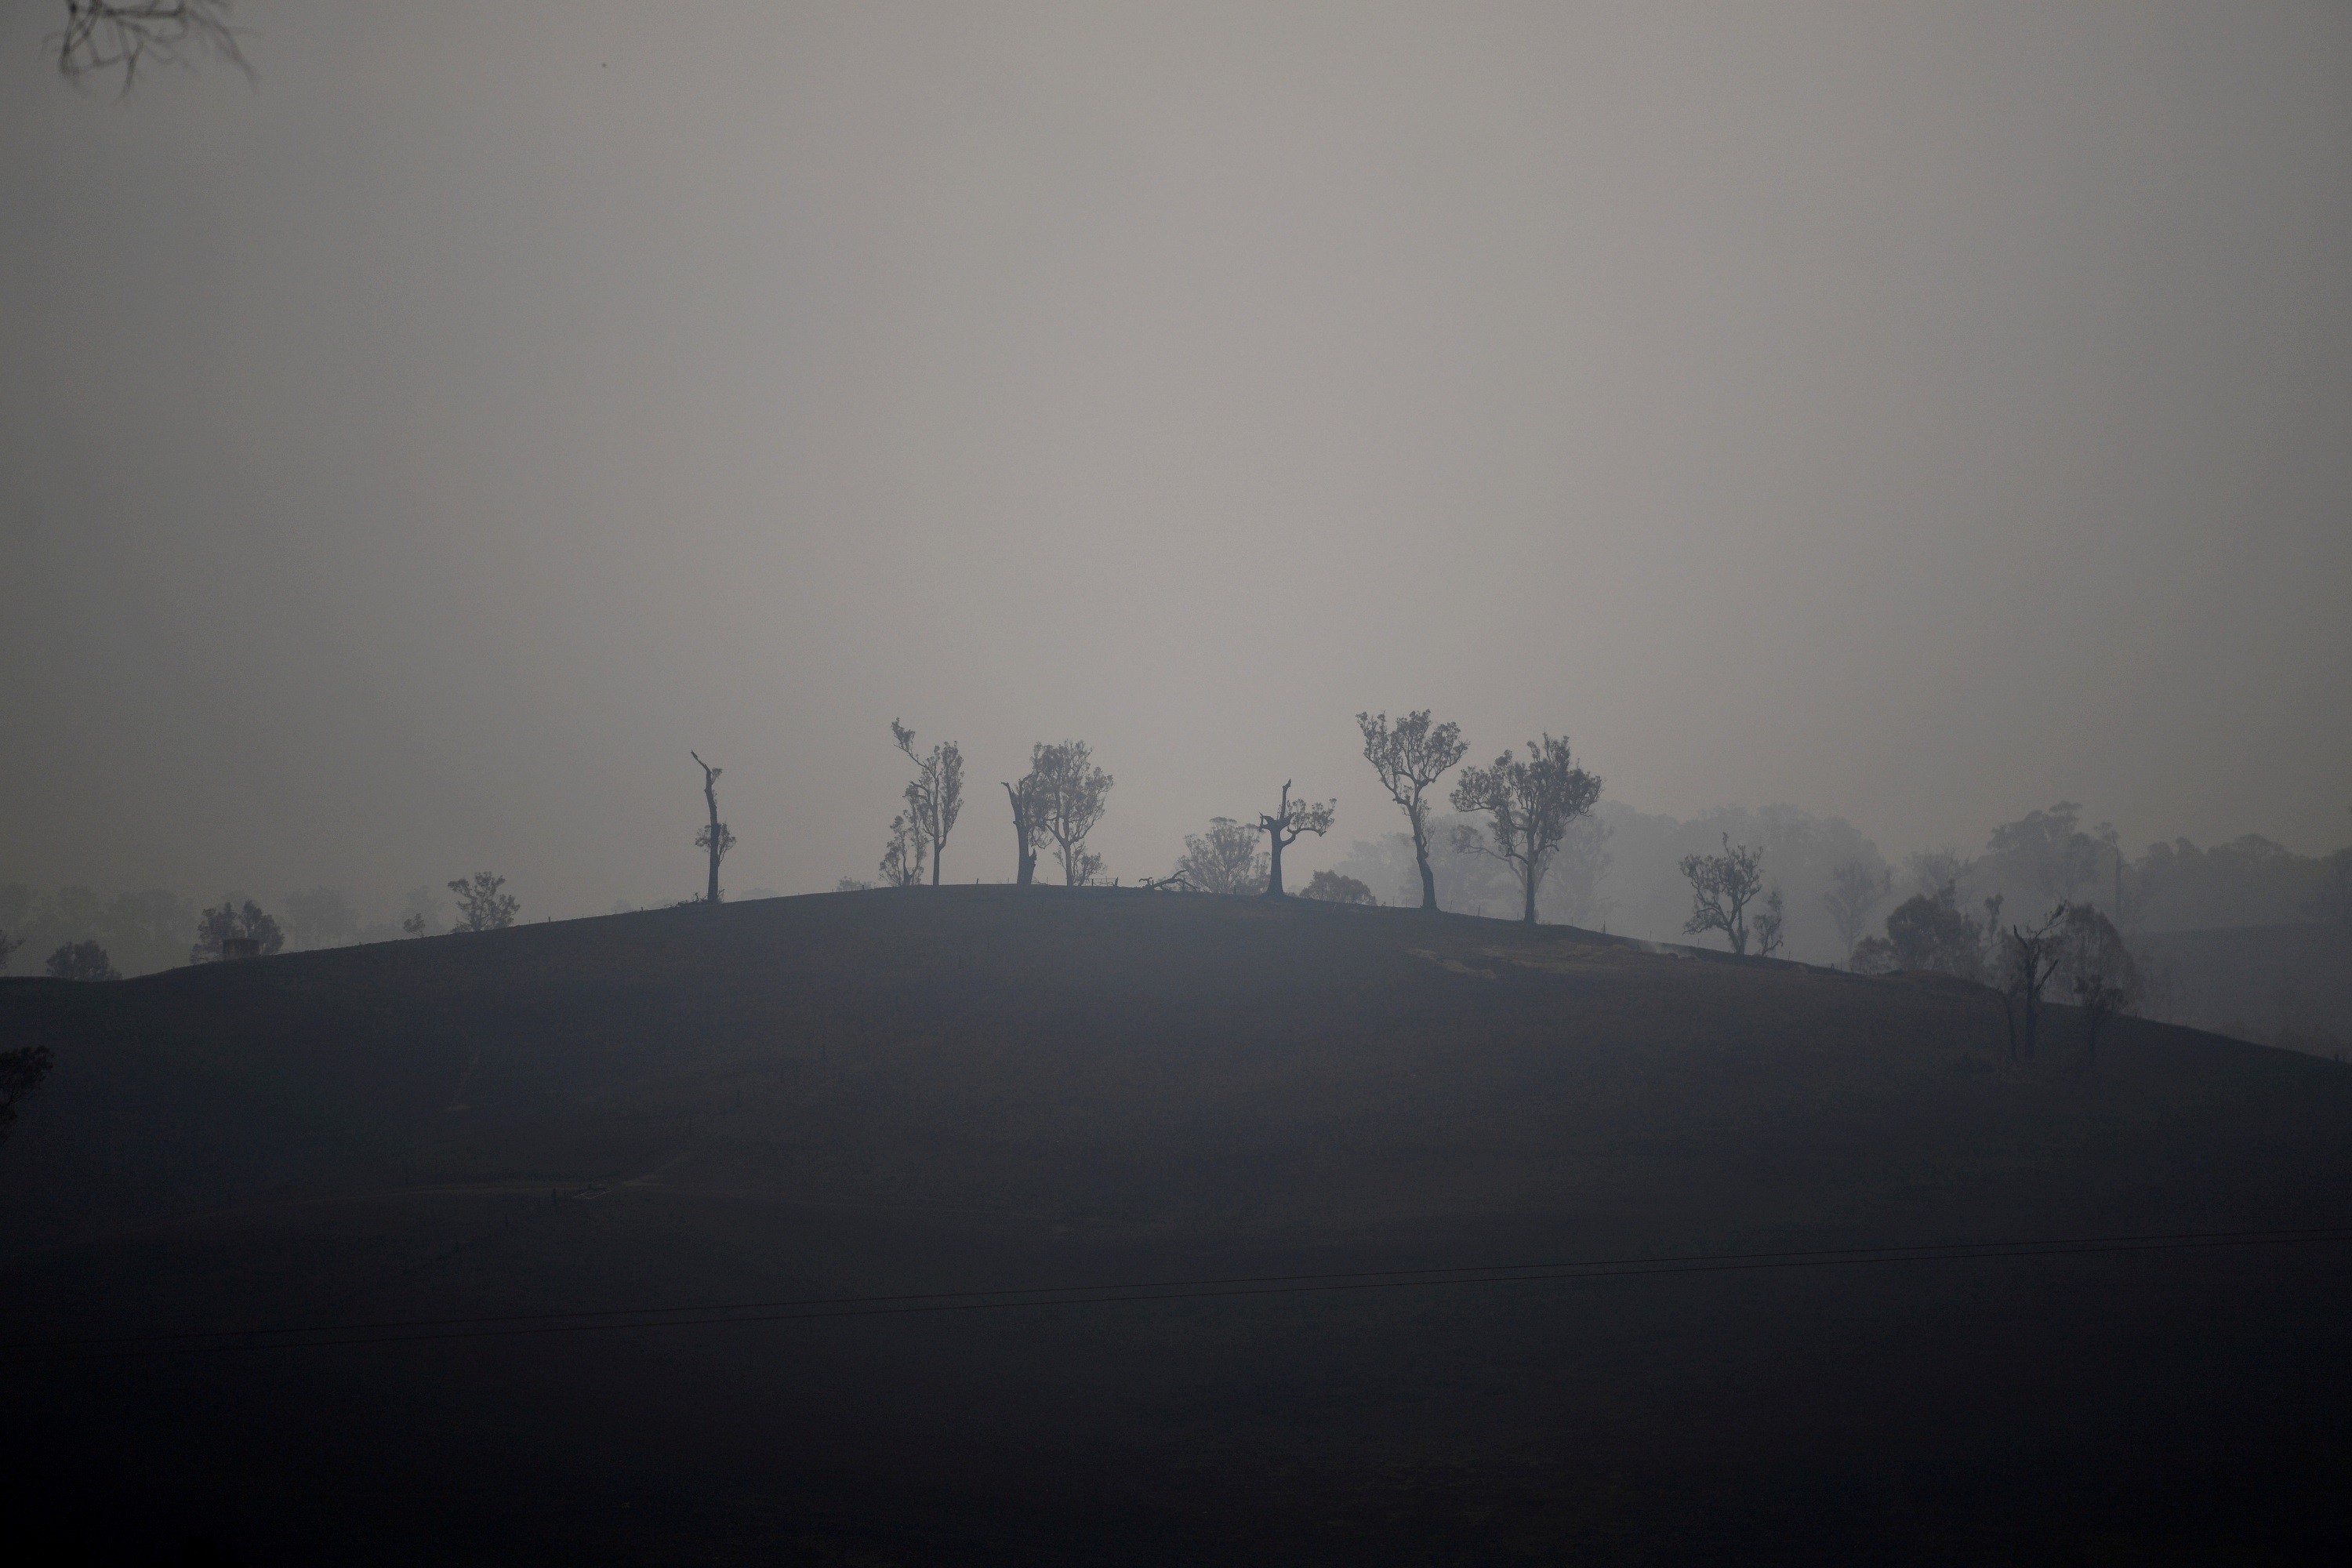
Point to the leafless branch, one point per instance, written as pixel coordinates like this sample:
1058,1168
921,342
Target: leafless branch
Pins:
103,36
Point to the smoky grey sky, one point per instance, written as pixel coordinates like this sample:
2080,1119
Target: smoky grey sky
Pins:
1914,413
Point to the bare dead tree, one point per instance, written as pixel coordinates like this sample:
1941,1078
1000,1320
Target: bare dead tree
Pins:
1410,756
1722,887
2030,958
1283,829
1023,832
1067,795
716,838
1855,890
1225,859
1531,806
935,794
104,36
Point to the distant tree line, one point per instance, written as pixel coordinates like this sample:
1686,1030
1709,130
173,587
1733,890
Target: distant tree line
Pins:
2074,949
86,936
1529,806
1528,833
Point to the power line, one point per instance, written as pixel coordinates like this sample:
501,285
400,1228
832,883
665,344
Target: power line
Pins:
824,1308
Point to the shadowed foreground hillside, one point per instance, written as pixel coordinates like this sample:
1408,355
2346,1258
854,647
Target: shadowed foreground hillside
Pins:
2286,986
991,1090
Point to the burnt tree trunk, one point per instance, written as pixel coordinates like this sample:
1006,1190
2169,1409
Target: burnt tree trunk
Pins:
1021,838
710,794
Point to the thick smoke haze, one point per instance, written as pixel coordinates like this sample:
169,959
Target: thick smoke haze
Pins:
1917,415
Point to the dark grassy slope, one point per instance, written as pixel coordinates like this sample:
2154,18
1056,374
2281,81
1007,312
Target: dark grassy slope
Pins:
2289,985
983,1088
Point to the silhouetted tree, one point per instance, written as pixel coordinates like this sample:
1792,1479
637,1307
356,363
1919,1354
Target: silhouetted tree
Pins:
81,961
1855,890
1225,859
2029,959
421,912
1067,795
1332,887
2097,969
1408,758
1923,933
1285,827
1722,887
215,926
481,906
102,36
1024,830
935,794
902,857
1769,923
1532,805
7,946
716,838
21,1072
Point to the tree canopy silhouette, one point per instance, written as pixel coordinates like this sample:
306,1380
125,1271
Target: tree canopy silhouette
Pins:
935,794
1410,756
1531,805
216,926
1067,795
1286,825
1332,887
82,961
1225,859
1722,887
481,906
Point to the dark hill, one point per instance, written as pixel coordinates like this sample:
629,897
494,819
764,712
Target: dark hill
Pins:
991,1088
2287,986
